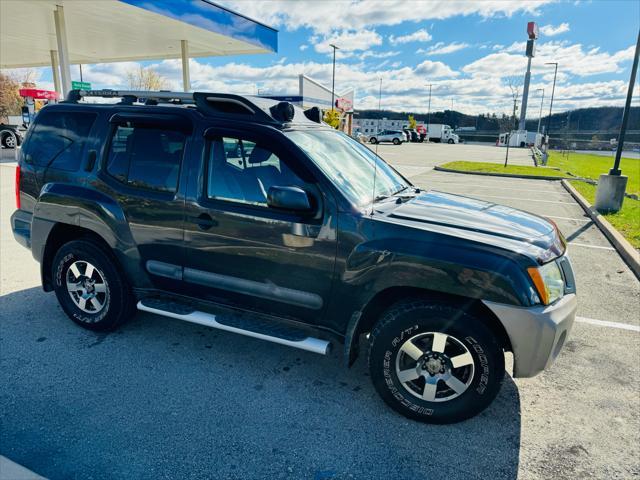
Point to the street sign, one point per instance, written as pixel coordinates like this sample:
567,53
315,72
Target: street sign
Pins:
80,85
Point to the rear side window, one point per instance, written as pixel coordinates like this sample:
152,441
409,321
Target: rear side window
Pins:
58,139
147,158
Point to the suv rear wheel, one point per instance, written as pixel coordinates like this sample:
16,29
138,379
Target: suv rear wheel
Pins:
373,140
434,363
89,287
396,141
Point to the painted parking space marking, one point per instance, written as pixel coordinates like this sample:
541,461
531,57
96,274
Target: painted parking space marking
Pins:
586,220
605,323
598,247
529,199
536,190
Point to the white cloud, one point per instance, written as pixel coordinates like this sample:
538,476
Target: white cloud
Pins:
435,70
441,48
573,59
552,30
303,47
356,14
418,36
347,41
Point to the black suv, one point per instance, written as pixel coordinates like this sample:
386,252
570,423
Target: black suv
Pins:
205,207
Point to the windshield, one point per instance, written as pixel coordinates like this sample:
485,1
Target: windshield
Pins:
349,165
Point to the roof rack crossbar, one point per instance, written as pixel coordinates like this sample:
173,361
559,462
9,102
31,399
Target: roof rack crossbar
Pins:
184,97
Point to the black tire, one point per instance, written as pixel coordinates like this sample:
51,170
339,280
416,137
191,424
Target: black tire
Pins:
451,141
118,301
373,140
396,141
413,319
9,140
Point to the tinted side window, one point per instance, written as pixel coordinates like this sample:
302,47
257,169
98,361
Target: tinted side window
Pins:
243,171
145,157
58,139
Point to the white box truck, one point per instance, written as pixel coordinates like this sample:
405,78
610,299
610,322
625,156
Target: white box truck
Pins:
520,138
441,133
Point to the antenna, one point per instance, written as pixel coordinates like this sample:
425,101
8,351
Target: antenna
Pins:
375,163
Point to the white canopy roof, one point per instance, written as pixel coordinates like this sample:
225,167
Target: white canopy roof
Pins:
121,30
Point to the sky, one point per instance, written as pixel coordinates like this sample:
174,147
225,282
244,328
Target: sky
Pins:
469,51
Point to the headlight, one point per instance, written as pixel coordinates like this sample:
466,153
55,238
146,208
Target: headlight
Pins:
548,281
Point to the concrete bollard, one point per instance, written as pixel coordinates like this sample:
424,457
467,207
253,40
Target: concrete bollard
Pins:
610,193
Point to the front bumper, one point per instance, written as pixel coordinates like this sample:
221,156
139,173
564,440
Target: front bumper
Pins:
538,333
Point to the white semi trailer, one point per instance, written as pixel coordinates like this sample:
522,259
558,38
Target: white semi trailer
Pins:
436,132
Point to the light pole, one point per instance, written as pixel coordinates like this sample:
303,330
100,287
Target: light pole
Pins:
555,73
333,81
611,187
429,111
541,102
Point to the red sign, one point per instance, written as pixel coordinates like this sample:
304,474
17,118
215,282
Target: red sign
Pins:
344,104
532,30
421,129
38,94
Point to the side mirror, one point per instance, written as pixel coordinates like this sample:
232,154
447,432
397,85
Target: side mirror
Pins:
294,199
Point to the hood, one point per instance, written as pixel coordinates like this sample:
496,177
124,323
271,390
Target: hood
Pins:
445,210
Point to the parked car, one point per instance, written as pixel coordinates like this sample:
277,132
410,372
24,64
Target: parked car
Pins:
394,136
245,205
10,136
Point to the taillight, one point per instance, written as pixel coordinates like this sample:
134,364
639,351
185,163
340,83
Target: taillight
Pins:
18,187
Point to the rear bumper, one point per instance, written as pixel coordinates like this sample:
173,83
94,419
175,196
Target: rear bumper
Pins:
538,333
21,227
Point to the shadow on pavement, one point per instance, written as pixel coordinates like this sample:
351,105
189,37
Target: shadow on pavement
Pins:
160,398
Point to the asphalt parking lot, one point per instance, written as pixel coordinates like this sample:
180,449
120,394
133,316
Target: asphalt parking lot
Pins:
164,399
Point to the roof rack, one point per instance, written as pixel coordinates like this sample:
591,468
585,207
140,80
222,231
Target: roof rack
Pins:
256,109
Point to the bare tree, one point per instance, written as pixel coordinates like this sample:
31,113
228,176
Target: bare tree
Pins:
145,78
514,83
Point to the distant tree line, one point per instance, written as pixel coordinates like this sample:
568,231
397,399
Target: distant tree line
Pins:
600,119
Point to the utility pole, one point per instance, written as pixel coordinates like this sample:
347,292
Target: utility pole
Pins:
541,102
553,90
611,187
333,81
429,112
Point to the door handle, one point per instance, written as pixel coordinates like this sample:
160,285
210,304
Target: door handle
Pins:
205,221
91,160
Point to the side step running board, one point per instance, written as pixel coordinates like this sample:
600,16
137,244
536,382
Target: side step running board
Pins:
262,329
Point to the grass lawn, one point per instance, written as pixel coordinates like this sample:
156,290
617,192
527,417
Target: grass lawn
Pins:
626,221
592,166
485,167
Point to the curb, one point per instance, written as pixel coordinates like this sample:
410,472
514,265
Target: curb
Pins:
489,174
629,254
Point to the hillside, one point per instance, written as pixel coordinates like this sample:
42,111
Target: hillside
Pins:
601,119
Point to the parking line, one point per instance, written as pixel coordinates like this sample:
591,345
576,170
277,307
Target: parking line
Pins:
590,246
604,323
504,188
586,220
527,199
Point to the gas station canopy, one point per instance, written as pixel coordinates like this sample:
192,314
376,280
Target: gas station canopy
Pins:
44,32
114,31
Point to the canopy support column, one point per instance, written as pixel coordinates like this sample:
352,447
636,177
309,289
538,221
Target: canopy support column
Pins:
186,78
63,51
55,67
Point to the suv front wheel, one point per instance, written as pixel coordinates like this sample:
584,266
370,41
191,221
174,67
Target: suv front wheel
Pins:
434,363
89,287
